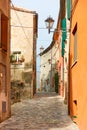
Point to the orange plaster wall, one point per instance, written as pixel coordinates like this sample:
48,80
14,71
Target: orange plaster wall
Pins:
5,62
78,73
4,6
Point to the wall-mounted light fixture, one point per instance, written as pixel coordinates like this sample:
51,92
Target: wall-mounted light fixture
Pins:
49,61
49,23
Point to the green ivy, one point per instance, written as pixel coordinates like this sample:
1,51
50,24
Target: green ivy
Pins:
56,82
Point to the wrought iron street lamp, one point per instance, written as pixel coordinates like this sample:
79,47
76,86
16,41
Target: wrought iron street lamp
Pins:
49,23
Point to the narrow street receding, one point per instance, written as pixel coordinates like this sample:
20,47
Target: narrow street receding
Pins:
46,111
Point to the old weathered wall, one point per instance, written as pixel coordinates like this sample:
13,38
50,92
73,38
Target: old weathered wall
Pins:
22,42
5,108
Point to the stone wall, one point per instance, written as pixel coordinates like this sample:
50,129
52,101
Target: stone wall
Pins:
22,47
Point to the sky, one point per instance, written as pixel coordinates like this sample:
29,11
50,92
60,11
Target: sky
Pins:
44,9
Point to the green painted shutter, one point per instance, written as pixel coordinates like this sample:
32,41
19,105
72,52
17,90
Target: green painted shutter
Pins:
68,8
63,35
64,29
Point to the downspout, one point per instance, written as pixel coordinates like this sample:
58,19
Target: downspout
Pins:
35,18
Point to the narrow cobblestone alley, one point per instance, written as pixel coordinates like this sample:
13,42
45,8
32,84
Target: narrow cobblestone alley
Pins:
44,112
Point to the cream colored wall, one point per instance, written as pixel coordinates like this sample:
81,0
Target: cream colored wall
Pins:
45,69
44,62
55,52
22,38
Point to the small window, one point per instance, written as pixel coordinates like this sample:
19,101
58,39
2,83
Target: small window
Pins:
4,32
16,57
75,43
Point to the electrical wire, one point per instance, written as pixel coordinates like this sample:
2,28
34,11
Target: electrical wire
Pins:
26,35
21,24
26,26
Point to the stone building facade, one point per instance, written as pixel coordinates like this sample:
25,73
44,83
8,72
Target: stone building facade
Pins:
4,60
23,51
48,67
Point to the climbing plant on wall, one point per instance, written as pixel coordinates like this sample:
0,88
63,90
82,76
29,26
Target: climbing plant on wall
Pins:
56,82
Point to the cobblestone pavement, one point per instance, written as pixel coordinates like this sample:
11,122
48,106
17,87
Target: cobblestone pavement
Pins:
44,112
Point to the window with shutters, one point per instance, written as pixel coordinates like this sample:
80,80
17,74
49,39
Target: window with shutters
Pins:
75,43
3,32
